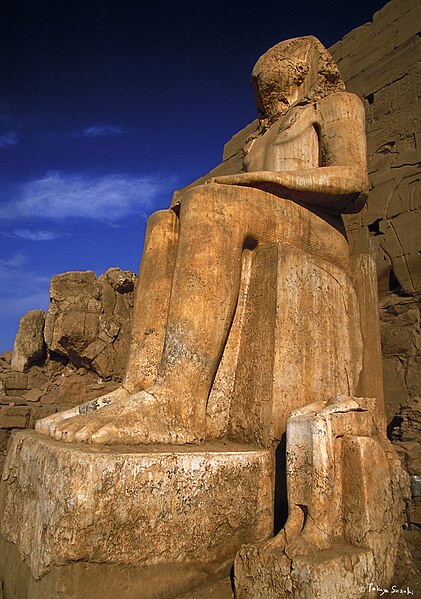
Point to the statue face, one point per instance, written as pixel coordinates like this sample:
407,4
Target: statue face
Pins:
296,70
277,81
285,77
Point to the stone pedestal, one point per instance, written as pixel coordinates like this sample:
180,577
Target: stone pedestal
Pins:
141,522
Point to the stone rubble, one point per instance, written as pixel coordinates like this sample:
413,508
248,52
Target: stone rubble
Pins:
76,351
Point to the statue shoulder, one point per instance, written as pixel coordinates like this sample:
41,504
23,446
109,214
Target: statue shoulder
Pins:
341,105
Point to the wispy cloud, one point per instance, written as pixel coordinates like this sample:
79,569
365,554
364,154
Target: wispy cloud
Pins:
35,235
10,138
59,196
16,262
20,288
102,131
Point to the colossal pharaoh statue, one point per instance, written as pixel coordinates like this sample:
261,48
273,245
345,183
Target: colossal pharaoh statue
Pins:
251,321
307,165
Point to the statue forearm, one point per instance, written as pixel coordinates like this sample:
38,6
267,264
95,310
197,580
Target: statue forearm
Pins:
341,188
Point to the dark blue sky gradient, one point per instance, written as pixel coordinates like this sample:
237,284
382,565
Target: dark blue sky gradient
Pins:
103,96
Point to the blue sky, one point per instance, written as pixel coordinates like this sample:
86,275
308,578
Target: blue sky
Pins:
107,106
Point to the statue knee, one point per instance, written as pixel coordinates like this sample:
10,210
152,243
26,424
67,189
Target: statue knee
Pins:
204,203
162,220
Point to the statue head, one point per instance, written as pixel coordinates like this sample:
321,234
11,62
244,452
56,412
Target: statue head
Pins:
296,71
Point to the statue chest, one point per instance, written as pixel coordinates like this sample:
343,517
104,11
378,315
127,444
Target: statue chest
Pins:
290,144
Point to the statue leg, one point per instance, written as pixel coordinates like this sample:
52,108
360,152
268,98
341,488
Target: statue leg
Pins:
215,223
148,322
152,299
203,298
320,490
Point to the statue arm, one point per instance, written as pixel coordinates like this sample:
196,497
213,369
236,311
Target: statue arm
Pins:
340,183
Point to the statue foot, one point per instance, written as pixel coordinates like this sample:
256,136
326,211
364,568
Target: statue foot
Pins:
312,539
48,425
141,418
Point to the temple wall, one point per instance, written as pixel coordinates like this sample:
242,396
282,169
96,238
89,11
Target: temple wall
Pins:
380,61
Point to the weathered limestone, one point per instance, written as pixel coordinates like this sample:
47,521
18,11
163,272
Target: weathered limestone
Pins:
380,61
29,344
345,487
181,512
269,384
82,354
314,154
88,320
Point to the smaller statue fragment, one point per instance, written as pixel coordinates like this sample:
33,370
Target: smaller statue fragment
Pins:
345,487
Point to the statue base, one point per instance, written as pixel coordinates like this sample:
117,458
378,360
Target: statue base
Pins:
140,522
341,571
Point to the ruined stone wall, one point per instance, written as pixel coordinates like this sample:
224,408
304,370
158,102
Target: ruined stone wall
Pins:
75,352
381,62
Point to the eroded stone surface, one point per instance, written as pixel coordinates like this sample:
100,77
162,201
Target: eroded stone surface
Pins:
306,163
380,61
88,319
345,509
86,314
142,507
29,345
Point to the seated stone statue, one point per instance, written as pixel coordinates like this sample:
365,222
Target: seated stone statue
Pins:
307,165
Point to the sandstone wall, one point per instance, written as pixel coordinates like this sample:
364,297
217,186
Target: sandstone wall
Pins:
381,62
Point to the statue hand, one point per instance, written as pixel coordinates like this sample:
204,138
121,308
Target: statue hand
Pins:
239,179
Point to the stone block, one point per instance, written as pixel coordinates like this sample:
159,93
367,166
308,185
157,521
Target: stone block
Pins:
36,377
14,416
6,356
409,24
29,345
414,376
386,15
370,48
381,73
399,334
172,517
122,281
89,319
282,358
34,394
15,381
238,141
395,390
365,281
337,572
361,524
